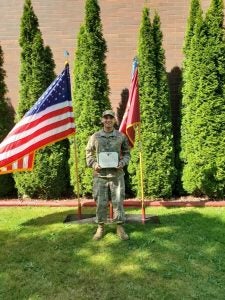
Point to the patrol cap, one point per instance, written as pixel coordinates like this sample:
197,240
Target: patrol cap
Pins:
108,113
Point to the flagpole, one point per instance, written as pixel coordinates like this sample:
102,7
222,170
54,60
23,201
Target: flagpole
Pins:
141,176
66,54
77,179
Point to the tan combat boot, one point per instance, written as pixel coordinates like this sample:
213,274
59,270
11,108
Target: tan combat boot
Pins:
121,233
99,232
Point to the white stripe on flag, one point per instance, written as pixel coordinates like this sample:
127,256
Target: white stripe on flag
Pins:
25,133
25,162
28,119
15,165
40,137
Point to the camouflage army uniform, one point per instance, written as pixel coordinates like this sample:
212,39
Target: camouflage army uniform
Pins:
108,183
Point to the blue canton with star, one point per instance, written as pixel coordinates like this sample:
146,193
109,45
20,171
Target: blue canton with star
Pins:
59,91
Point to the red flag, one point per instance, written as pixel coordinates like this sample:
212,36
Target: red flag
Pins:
48,121
131,116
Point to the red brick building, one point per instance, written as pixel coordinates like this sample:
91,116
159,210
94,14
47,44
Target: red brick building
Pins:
60,22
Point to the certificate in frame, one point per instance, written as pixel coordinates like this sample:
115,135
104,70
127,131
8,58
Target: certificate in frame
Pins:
108,159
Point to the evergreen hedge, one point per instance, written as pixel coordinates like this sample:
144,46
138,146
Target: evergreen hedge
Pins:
204,112
156,125
90,90
50,176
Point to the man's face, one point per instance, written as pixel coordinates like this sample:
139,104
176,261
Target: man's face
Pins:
108,122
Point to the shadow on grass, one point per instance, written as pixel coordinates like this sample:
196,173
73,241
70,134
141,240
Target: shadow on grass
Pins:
183,258
53,218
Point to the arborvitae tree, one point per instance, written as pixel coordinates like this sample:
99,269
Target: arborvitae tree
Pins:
192,49
147,95
188,70
156,134
166,171
28,28
191,77
204,163
6,123
50,176
195,10
90,91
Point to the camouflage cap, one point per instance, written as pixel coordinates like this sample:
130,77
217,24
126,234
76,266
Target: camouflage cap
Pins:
108,113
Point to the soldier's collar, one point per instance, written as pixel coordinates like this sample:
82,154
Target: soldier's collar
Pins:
112,133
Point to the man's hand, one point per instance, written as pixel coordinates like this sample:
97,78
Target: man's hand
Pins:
120,166
97,167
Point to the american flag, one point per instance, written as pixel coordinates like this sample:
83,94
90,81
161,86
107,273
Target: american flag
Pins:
48,121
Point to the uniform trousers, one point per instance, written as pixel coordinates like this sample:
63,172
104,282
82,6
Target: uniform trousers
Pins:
105,189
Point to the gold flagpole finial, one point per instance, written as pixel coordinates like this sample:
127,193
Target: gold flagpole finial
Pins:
66,55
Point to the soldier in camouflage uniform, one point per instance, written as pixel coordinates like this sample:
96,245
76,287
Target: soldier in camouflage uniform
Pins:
108,182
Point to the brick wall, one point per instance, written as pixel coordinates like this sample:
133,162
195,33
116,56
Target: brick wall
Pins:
60,21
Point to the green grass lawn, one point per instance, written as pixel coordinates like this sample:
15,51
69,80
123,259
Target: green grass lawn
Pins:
181,258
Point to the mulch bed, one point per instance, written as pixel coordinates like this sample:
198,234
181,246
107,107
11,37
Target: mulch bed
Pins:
187,201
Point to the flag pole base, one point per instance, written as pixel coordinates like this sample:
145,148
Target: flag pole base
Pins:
143,215
80,219
79,213
130,218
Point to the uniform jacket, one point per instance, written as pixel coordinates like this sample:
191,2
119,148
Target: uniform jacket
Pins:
102,141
